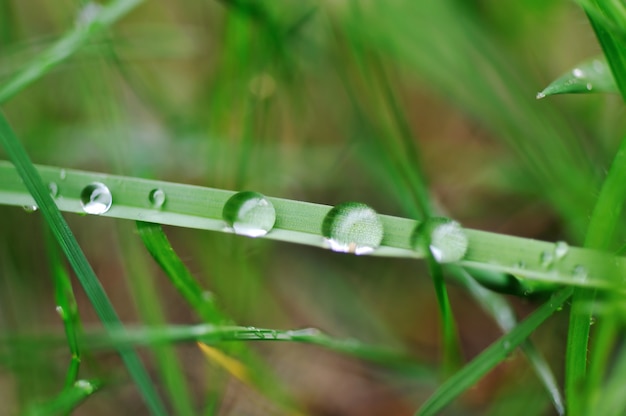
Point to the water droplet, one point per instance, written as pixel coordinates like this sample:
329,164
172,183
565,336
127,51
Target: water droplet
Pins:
546,259
157,198
87,14
249,213
506,345
62,174
61,312
520,265
578,73
580,273
54,189
96,198
560,250
444,238
85,385
208,296
274,334
30,208
540,95
589,86
592,320
352,227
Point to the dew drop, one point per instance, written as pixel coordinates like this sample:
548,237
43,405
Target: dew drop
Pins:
444,238
507,346
30,208
578,73
546,259
85,386
61,312
589,86
540,95
580,273
62,174
249,213
54,189
157,198
96,198
560,250
352,227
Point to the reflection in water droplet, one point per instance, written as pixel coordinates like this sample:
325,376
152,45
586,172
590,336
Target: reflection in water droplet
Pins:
157,198
96,198
30,208
444,238
54,189
249,213
546,259
352,227
560,250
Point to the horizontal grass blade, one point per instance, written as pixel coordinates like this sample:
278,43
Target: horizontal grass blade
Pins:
300,222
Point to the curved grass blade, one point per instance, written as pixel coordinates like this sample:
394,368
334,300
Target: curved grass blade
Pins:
300,222
85,274
67,401
591,76
491,357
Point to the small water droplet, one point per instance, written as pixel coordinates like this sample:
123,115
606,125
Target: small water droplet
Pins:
561,249
54,189
30,208
62,174
578,73
274,334
96,198
444,238
592,320
157,198
589,86
352,227
540,95
546,259
87,14
506,345
61,312
208,296
580,273
85,385
249,213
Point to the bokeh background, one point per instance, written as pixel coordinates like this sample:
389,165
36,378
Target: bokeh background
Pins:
317,100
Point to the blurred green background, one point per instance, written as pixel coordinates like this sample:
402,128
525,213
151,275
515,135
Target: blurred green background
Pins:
322,101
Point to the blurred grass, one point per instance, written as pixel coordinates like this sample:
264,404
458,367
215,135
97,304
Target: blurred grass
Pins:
316,101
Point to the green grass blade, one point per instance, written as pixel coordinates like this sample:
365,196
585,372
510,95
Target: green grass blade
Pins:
591,76
85,274
66,307
492,356
300,222
67,401
161,250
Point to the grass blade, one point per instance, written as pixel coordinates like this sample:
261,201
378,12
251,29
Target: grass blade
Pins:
67,401
73,252
591,76
490,357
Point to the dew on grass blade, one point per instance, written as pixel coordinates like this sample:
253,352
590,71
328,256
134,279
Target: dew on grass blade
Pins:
54,189
62,174
546,259
157,198
352,227
249,213
580,273
30,208
96,198
444,238
560,250
85,386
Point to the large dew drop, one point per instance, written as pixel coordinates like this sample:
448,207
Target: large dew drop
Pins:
352,227
96,198
249,213
157,198
444,238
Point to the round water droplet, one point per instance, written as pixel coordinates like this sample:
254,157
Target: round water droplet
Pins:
30,208
444,238
352,227
249,213
546,259
96,198
61,312
540,95
85,386
589,86
62,174
580,273
578,73
560,250
157,198
54,189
